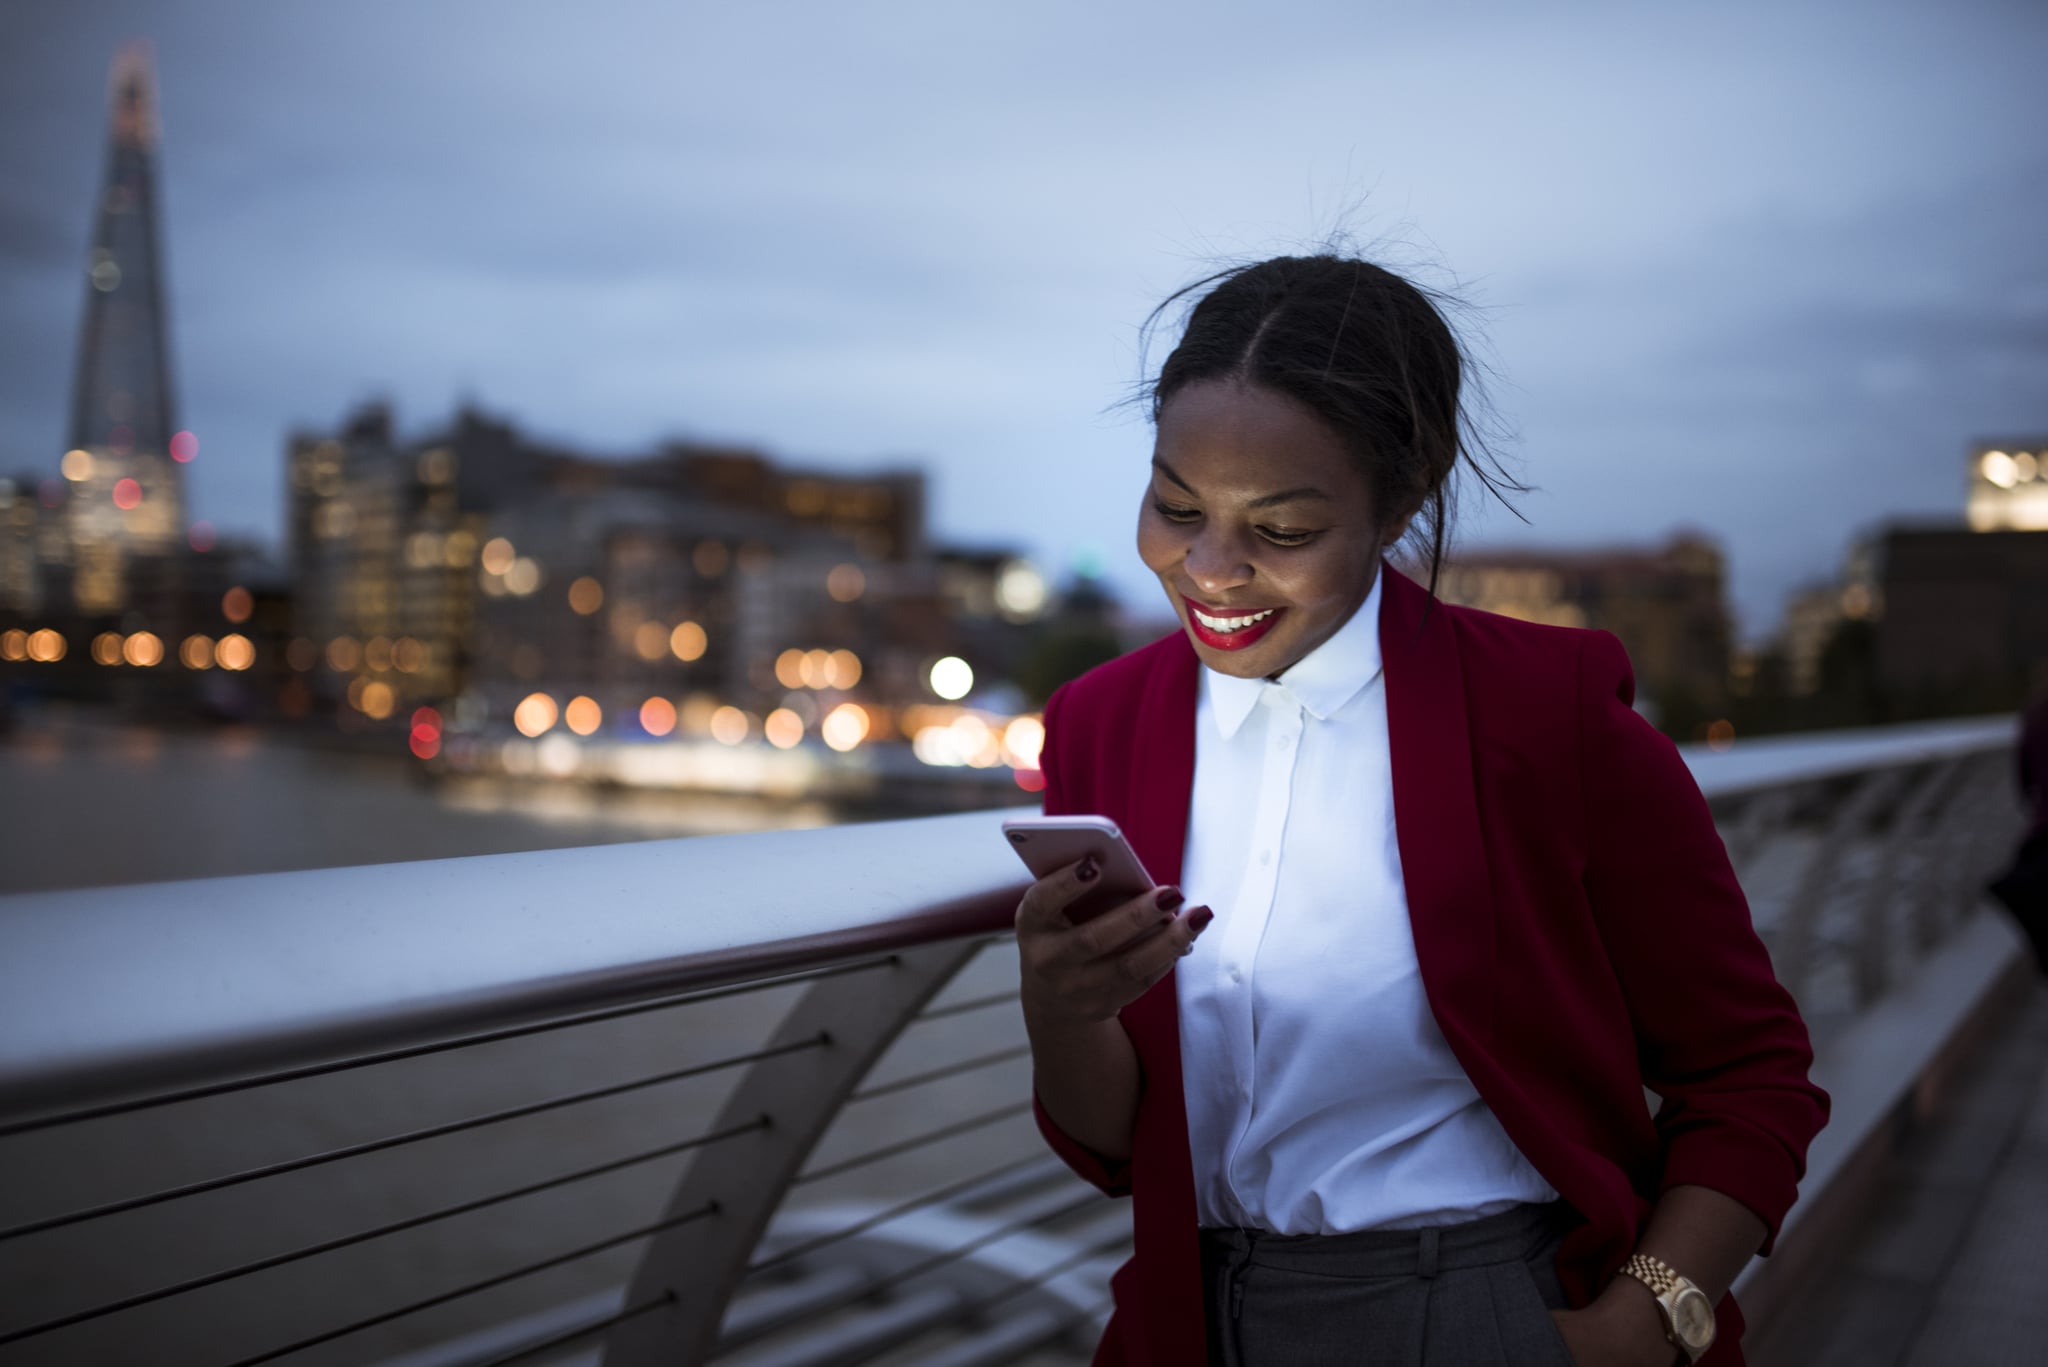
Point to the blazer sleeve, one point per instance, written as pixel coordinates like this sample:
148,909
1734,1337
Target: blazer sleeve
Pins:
1718,1038
1112,1178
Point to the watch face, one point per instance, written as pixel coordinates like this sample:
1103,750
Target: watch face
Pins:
1693,1318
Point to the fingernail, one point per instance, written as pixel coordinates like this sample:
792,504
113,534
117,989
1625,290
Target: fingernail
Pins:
1199,918
1169,898
1086,873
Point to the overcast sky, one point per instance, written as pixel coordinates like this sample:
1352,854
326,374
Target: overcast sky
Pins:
1763,269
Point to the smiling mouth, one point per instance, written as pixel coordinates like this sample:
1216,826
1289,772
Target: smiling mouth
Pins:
1228,624
1229,630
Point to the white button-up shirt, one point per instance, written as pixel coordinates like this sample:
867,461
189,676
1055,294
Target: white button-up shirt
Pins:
1321,1096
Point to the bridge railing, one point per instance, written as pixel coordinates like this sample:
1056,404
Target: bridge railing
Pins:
754,1099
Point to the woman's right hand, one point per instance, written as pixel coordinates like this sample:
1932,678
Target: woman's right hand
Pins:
1077,975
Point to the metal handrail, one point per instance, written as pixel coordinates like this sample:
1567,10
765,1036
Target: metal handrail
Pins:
114,1000
114,995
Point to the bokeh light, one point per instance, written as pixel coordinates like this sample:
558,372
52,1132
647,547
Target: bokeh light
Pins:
106,648
497,556
952,678
236,604
586,596
846,583
76,465
535,715
234,652
657,716
377,701
784,729
184,446
47,646
687,641
196,652
143,650
650,641
127,494
845,726
729,725
583,715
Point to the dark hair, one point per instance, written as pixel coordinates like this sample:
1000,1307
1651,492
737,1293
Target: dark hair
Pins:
1364,350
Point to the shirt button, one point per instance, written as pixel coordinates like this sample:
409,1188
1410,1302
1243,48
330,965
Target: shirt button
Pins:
1237,975
1265,856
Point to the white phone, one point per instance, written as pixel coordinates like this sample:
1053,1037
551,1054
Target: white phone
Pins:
1048,844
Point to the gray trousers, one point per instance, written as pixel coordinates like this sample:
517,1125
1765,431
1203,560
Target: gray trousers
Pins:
1469,1295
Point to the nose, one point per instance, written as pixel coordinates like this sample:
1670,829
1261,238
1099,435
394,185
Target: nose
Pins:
1217,564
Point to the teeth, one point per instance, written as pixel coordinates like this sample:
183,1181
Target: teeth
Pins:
1228,624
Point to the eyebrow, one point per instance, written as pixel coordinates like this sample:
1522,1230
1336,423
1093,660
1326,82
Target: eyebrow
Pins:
1263,501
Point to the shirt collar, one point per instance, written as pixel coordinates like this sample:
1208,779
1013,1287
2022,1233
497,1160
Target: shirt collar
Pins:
1321,681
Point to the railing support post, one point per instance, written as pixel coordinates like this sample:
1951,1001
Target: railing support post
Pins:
695,1268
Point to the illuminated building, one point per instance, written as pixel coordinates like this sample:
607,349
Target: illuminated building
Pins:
1965,612
1666,604
478,567
123,489
2009,485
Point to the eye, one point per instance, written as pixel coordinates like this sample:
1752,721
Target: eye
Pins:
1280,538
1173,512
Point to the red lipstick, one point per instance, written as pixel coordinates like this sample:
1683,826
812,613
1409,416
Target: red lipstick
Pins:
1236,639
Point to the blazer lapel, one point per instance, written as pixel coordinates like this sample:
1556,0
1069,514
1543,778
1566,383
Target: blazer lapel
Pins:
1436,815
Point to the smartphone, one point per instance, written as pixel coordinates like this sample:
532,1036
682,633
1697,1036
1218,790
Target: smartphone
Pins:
1048,844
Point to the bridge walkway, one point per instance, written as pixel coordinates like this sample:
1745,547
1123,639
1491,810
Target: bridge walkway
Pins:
1949,1266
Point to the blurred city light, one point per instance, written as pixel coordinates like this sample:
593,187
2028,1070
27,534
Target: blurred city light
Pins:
845,726
234,652
784,729
952,678
236,604
657,716
586,596
846,583
729,725
196,651
535,714
687,641
143,649
583,715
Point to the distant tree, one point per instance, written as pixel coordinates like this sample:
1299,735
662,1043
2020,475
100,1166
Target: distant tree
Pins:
1066,651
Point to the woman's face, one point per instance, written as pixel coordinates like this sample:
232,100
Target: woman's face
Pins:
1260,521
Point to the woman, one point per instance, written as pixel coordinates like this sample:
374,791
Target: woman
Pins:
1376,1080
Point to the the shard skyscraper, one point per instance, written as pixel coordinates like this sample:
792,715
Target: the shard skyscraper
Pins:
126,505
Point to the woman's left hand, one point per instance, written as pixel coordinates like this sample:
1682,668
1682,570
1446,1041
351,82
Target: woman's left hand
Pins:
1615,1333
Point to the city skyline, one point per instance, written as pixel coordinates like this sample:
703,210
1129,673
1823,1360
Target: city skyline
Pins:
1801,311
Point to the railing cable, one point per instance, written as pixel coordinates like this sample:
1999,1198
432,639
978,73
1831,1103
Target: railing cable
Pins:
868,1222
962,1008
930,1137
312,1070
363,1236
414,1307
395,1141
904,1084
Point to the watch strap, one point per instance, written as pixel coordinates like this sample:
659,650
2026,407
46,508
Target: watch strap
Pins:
1665,1284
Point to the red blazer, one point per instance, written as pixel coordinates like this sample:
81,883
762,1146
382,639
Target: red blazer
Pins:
1579,930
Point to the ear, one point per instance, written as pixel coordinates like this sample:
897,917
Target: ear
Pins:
1394,530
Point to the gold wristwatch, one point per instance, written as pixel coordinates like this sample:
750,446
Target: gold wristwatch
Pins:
1688,1314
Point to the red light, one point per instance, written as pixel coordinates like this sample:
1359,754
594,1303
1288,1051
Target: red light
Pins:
426,747
127,494
1031,780
426,718
201,536
184,446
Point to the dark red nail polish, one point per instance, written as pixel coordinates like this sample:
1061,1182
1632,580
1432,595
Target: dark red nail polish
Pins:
1086,873
1169,898
1200,917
